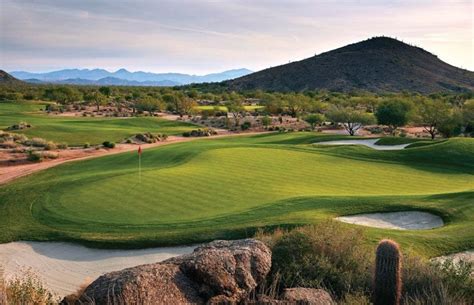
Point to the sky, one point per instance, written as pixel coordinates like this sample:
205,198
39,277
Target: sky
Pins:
204,36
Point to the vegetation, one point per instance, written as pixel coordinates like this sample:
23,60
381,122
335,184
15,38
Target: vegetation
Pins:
387,277
78,130
228,187
336,257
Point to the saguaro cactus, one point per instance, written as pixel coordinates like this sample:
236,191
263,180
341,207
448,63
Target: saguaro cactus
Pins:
387,276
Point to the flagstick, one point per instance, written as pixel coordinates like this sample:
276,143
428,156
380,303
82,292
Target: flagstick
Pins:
140,168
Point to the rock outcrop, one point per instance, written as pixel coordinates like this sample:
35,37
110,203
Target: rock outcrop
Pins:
221,272
307,296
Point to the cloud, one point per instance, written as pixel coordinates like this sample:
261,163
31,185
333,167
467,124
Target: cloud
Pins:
207,36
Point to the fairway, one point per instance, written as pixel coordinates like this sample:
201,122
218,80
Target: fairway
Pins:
223,188
79,130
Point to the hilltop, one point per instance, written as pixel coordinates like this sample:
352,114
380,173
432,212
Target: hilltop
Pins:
379,64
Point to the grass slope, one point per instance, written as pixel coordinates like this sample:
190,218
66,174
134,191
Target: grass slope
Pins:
225,188
79,130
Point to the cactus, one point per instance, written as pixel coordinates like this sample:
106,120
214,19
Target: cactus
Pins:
387,277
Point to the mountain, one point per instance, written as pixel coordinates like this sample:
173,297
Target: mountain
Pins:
124,77
379,64
6,78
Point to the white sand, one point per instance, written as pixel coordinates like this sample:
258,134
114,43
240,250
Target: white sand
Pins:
409,220
369,143
64,266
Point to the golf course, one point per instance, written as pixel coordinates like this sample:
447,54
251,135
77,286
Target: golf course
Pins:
229,187
79,130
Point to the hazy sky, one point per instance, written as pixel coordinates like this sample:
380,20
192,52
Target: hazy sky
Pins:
208,36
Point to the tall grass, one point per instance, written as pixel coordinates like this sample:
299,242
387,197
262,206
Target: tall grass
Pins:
25,288
334,257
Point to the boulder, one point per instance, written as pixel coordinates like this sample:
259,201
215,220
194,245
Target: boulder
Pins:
307,296
221,272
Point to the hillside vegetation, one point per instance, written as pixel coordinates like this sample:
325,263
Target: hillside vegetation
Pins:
379,64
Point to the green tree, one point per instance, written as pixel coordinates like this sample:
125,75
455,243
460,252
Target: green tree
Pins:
431,113
393,113
266,120
451,126
148,103
96,98
314,119
105,91
350,118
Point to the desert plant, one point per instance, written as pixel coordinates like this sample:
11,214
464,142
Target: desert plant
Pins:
86,145
50,146
108,144
387,276
34,156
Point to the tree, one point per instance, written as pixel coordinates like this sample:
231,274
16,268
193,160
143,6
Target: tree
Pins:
451,125
393,113
296,104
105,91
351,119
314,119
266,120
185,105
235,107
431,113
63,95
96,98
148,103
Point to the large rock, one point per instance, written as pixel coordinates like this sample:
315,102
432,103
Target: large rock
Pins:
307,296
221,272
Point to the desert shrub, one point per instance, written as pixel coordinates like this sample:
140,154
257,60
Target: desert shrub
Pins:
108,144
149,137
245,125
8,144
25,288
86,145
62,145
327,255
19,126
205,132
34,156
36,142
50,146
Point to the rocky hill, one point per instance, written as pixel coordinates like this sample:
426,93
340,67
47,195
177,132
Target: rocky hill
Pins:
6,78
378,64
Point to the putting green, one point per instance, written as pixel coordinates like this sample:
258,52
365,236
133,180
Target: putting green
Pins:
207,189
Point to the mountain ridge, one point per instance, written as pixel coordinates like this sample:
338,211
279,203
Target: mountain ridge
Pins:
62,76
379,64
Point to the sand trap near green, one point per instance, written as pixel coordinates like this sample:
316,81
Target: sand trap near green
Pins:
411,220
64,266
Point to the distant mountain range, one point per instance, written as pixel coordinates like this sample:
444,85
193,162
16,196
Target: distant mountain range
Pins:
379,64
123,77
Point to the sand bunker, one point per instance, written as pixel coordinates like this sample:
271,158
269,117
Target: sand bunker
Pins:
64,267
369,143
396,220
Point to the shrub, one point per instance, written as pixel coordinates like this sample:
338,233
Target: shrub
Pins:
206,132
62,146
327,255
36,142
108,144
25,288
34,156
245,125
19,126
8,144
50,146
86,145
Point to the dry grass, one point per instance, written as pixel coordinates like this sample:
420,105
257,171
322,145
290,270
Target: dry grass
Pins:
25,288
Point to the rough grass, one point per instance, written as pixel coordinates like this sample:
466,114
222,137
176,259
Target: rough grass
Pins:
80,130
226,188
